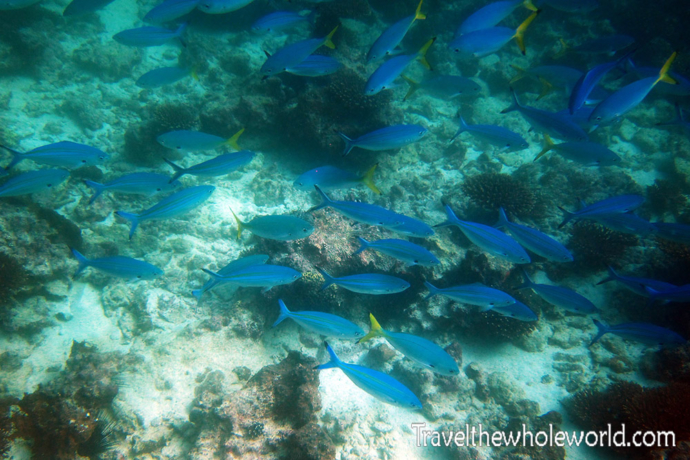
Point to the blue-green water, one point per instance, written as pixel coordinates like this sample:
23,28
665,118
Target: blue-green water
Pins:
135,366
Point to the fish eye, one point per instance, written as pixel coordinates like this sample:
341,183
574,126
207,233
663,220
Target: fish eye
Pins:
179,147
295,277
138,276
49,185
457,50
416,261
158,189
432,366
304,230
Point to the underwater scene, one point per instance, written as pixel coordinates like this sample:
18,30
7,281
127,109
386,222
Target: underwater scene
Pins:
345,229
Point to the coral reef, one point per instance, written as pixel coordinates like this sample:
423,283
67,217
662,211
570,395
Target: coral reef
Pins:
492,191
272,414
668,365
594,246
665,196
640,409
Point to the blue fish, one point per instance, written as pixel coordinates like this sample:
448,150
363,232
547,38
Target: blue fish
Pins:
573,6
517,310
637,285
411,227
680,120
170,10
443,86
418,349
502,138
377,384
490,15
164,76
174,205
614,205
629,96
534,240
321,323
640,332
188,141
483,42
7,5
293,54
679,294
233,266
368,283
361,212
551,123
33,182
626,223
143,37
63,154
388,138
221,6
218,166
122,267
680,233
280,228
330,178
80,7
315,66
488,239
559,296
583,152
263,276
392,36
135,184
385,76
279,20
477,294
589,80
410,253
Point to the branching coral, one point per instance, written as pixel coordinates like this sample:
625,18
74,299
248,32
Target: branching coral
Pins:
594,246
493,190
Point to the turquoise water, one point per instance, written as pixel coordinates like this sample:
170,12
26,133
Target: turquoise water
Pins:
102,366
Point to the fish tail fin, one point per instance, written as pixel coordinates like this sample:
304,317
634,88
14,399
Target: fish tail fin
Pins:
414,86
548,145
179,171
328,42
349,145
375,331
334,362
546,87
601,330
325,201
240,224
433,290
364,245
193,73
563,50
515,105
567,217
418,12
520,32
133,218
232,142
99,188
179,33
83,261
284,313
530,6
663,73
521,73
421,54
328,278
214,275
16,157
613,276
452,219
527,283
368,179
502,218
461,129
